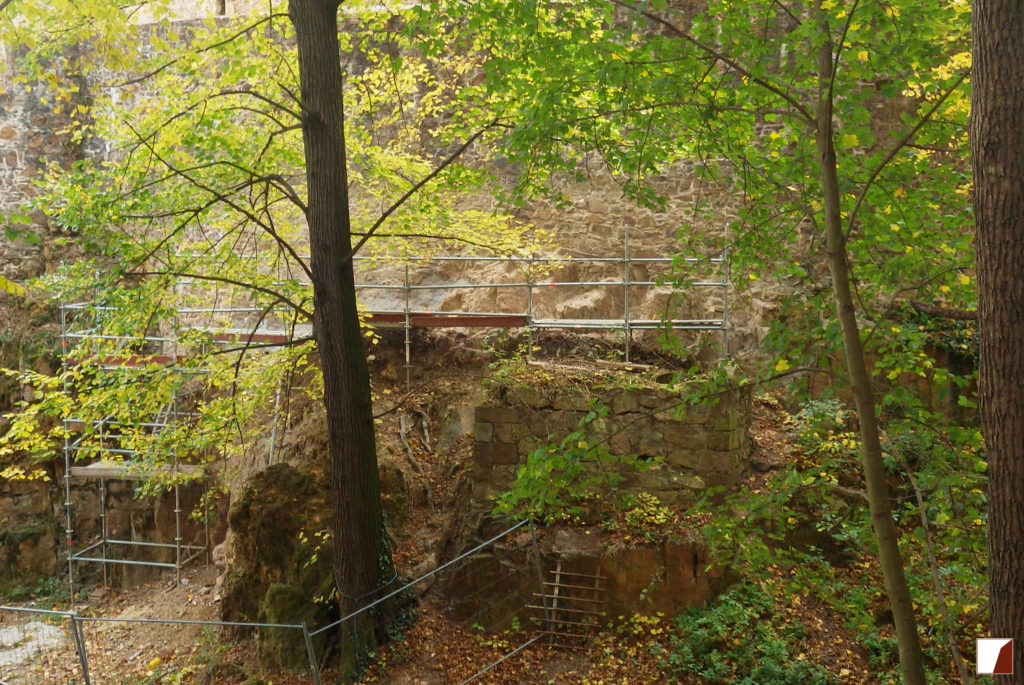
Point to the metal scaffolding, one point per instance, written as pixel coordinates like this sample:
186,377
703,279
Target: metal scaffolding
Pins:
85,339
529,316
83,329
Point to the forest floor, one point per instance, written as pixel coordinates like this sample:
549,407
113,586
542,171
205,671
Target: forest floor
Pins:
434,650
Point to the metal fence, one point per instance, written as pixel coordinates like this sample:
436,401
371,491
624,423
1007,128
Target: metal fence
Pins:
43,646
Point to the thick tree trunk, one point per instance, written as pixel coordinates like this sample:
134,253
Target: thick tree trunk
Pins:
997,147
896,588
360,552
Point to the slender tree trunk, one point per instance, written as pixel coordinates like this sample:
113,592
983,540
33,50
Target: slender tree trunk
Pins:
911,662
997,148
361,556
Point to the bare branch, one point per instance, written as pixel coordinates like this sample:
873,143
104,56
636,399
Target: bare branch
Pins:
900,144
838,49
223,197
259,96
207,48
429,236
229,281
711,51
416,187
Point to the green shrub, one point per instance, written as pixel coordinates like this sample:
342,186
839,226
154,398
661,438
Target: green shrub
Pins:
741,639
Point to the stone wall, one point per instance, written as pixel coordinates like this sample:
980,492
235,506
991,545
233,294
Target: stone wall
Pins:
31,136
698,446
29,549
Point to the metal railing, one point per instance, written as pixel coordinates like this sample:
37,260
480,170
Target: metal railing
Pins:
44,645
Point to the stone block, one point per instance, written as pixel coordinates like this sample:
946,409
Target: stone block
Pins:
528,445
505,475
509,432
725,422
719,440
495,414
650,443
681,436
483,431
620,444
504,453
658,399
571,399
482,452
531,397
540,425
625,402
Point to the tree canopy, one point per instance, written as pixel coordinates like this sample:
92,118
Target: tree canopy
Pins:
230,172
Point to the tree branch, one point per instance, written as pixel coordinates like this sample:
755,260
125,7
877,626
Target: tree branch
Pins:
222,197
259,96
839,50
416,187
207,48
711,51
229,281
943,312
900,144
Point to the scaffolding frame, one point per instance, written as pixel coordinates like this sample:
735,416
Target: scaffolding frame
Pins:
118,463
409,318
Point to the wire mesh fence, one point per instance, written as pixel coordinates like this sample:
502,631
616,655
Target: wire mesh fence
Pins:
487,588
33,642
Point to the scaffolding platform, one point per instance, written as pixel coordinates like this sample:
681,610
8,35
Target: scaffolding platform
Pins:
126,470
103,470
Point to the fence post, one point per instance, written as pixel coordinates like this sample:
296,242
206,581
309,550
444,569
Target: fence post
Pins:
540,577
625,289
408,331
79,638
313,666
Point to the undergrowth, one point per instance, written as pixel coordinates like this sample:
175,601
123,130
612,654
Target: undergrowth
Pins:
740,639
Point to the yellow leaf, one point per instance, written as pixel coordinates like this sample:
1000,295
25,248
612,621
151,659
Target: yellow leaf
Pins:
862,55
154,663
849,140
894,227
11,287
899,192
964,279
782,365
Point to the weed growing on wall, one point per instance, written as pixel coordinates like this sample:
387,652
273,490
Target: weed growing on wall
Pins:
569,479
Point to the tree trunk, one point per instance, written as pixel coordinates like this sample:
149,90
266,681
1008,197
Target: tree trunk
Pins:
896,588
361,555
997,148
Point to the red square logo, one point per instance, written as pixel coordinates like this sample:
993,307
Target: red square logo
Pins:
995,656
